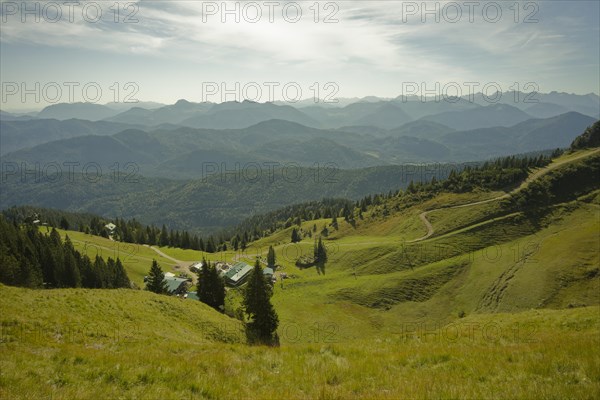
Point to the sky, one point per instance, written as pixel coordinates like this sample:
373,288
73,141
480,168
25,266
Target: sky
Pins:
53,52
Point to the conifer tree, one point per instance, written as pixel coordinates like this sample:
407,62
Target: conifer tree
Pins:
156,279
164,236
296,236
121,278
204,284
263,320
320,252
210,245
72,276
64,224
218,298
271,257
211,288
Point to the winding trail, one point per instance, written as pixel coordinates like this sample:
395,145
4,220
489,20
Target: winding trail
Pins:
180,265
114,250
160,253
239,256
532,177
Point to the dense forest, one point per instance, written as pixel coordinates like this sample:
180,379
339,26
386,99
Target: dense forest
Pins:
498,174
34,259
565,184
589,138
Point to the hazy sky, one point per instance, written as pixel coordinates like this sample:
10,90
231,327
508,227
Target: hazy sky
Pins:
185,50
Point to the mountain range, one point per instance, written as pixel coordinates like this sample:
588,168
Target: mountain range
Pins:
464,113
202,158
181,152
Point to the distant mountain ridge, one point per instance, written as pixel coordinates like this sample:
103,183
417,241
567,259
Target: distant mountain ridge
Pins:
20,134
478,111
481,117
173,152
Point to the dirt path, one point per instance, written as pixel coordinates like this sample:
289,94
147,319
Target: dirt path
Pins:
239,256
182,266
118,250
160,253
536,175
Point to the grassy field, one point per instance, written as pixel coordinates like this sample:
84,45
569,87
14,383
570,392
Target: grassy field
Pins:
136,259
376,281
496,304
133,344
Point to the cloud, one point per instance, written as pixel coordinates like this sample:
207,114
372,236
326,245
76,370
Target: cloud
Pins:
377,40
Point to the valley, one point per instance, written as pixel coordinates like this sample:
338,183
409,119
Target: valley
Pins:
511,297
300,200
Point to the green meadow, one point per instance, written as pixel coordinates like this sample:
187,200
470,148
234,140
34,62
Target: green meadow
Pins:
131,344
496,303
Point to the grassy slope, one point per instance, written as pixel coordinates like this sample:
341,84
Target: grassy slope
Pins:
136,258
171,351
475,264
340,326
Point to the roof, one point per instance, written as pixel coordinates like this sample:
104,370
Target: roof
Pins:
235,268
238,272
268,271
174,283
197,265
110,226
192,295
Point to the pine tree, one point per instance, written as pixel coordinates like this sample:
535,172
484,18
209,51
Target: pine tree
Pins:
347,213
100,269
334,222
218,285
121,278
111,273
150,234
156,279
88,276
164,237
210,245
320,252
296,236
55,260
211,288
185,240
64,224
263,320
271,257
204,284
172,242
72,276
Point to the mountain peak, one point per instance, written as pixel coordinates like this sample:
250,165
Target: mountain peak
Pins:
279,124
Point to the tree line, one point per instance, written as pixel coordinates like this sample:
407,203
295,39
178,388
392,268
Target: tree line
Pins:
34,259
560,185
491,175
588,139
